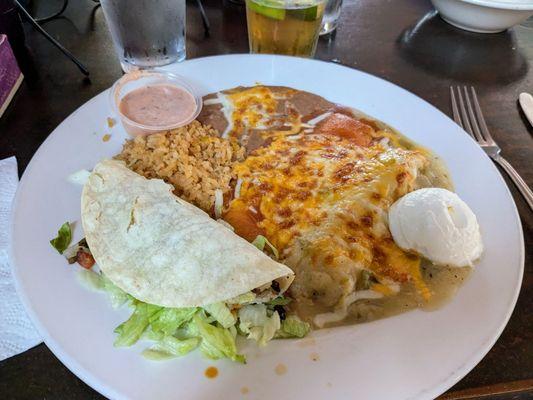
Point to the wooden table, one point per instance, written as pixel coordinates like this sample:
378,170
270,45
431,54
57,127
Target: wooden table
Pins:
403,41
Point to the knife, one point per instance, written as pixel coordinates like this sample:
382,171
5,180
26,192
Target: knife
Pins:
526,102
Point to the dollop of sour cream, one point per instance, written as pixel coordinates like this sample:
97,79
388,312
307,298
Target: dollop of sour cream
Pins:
438,225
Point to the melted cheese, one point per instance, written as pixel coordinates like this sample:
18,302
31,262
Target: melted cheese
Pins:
317,187
257,108
252,107
321,199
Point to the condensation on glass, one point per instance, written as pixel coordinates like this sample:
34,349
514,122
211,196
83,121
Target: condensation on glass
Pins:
146,33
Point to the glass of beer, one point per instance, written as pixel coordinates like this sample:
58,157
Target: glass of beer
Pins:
288,27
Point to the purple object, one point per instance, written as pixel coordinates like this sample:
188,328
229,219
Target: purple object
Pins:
10,75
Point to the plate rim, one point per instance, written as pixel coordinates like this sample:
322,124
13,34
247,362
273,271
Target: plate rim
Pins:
87,377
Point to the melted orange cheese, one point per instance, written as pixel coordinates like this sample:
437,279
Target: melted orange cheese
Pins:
251,107
257,108
318,187
323,189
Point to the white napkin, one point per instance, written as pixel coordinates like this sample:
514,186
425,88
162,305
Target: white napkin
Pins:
17,333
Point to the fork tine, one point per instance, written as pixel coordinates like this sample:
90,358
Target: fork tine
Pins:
467,127
473,121
483,125
456,116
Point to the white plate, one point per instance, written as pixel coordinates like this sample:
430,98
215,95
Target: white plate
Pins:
414,355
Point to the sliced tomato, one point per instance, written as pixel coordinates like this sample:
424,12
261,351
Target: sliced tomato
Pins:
85,259
346,127
243,220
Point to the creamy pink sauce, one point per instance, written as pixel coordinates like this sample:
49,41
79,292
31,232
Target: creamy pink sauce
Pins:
158,105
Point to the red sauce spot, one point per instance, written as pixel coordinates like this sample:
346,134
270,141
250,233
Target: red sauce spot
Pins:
243,221
284,212
379,255
352,225
280,369
281,194
344,172
287,171
328,260
316,221
265,187
346,127
400,178
367,220
293,113
211,372
297,158
334,155
286,224
302,195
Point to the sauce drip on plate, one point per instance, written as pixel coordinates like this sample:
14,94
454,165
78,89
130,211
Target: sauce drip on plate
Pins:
158,105
211,372
280,369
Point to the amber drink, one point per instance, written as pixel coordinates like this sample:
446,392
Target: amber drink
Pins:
288,27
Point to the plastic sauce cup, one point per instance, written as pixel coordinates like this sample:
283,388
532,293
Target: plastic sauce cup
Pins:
139,79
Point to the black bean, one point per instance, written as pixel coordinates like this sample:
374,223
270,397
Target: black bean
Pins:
275,286
281,312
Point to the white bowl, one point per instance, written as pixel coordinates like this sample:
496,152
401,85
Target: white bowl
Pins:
484,16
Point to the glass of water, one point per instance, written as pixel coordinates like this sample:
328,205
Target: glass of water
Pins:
146,33
331,16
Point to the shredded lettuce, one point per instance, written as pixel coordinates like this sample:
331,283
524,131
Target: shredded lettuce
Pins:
279,301
149,334
90,279
167,320
117,296
130,331
170,347
213,329
217,342
260,242
98,281
293,326
256,324
63,238
222,314
245,298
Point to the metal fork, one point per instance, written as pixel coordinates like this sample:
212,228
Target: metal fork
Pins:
467,114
